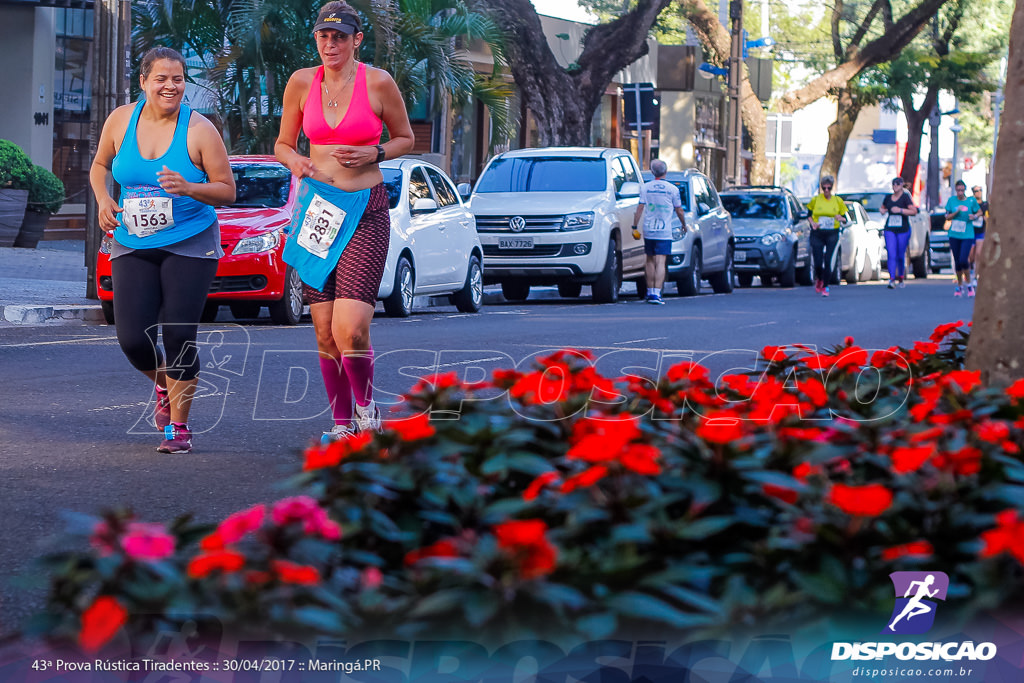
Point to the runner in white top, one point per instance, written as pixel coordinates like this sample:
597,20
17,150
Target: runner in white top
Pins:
660,198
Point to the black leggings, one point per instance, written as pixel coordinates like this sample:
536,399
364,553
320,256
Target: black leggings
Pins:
823,248
154,286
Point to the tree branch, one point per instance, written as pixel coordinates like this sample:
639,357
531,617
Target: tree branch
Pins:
837,44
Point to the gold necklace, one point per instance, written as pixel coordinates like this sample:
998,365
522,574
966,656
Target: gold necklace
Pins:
333,101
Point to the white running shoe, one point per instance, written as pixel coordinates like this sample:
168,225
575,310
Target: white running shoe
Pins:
337,433
368,417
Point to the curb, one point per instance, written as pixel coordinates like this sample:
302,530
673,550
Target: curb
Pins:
27,315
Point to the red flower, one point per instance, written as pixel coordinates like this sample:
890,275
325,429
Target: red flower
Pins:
944,330
437,382
965,462
687,370
966,380
912,549
1016,390
804,470
909,459
814,390
550,386
602,439
257,578
332,454
642,459
1008,536
413,428
100,622
526,540
298,574
236,526
533,490
786,495
992,431
721,428
772,353
587,477
227,561
863,501
443,548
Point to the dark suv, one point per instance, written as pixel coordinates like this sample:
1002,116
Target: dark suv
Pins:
772,235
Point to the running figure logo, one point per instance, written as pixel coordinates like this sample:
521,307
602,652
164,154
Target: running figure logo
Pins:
914,612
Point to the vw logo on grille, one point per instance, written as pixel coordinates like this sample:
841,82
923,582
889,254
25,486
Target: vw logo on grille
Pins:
517,223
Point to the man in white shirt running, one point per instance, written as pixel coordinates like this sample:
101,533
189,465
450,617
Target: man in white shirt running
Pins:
660,198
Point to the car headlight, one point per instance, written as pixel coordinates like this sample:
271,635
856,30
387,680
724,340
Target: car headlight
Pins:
677,233
772,238
578,221
258,244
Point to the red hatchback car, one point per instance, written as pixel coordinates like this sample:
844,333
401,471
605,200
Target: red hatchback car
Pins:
251,274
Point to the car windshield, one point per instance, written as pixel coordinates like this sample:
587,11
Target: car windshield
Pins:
872,201
260,186
393,184
764,207
544,174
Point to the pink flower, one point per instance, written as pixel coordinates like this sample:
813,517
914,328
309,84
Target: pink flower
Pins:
295,509
147,542
371,578
237,525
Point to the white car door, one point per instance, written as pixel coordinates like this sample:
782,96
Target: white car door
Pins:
456,227
624,170
425,235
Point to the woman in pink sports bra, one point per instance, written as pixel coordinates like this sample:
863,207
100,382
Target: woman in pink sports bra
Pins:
342,107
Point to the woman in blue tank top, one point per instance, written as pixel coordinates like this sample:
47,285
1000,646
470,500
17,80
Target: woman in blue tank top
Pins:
173,169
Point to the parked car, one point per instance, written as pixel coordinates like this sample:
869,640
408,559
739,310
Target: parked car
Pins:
861,247
918,252
562,216
938,243
433,250
771,233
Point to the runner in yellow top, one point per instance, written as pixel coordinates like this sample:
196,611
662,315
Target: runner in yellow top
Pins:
827,213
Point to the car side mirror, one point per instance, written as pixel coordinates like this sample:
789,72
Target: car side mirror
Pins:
703,208
424,205
464,190
804,215
629,189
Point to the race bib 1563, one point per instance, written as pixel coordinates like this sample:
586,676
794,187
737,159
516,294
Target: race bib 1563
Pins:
827,222
145,216
320,226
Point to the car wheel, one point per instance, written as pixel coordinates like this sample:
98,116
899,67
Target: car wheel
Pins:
853,274
745,279
866,270
721,282
787,276
515,291
399,304
922,263
569,290
470,298
245,310
688,283
605,289
210,311
108,311
288,310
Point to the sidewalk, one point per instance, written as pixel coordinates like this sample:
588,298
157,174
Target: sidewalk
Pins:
47,284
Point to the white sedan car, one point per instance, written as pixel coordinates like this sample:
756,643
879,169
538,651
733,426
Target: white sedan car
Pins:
860,247
434,247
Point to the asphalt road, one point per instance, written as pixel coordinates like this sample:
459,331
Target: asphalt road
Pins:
73,411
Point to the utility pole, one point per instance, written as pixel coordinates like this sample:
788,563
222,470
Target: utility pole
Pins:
932,179
734,136
112,29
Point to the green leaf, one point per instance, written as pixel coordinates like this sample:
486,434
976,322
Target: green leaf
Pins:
708,526
323,620
440,602
559,594
598,626
692,598
643,606
479,608
631,533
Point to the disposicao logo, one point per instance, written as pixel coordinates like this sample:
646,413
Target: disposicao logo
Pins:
914,613
916,593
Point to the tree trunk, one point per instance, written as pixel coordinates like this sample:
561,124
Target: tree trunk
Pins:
563,101
916,118
995,347
847,111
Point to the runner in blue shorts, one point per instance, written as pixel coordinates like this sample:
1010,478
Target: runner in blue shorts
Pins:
659,197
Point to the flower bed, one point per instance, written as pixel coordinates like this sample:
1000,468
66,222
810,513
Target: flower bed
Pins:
586,505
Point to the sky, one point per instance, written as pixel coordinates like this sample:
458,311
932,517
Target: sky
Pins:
563,9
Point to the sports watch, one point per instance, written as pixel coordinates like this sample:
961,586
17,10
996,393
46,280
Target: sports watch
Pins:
380,154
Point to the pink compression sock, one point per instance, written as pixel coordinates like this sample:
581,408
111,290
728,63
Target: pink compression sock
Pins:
339,391
359,368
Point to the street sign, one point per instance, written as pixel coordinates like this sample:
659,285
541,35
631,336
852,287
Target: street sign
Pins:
639,97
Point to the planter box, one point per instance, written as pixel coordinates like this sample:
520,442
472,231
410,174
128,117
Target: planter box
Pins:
12,213
32,229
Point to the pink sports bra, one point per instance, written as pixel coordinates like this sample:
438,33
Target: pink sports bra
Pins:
359,126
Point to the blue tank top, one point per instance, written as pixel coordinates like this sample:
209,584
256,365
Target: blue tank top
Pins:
137,177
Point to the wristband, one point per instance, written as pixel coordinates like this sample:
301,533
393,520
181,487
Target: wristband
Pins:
380,154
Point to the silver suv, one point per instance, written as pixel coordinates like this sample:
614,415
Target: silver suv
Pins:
772,235
559,216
